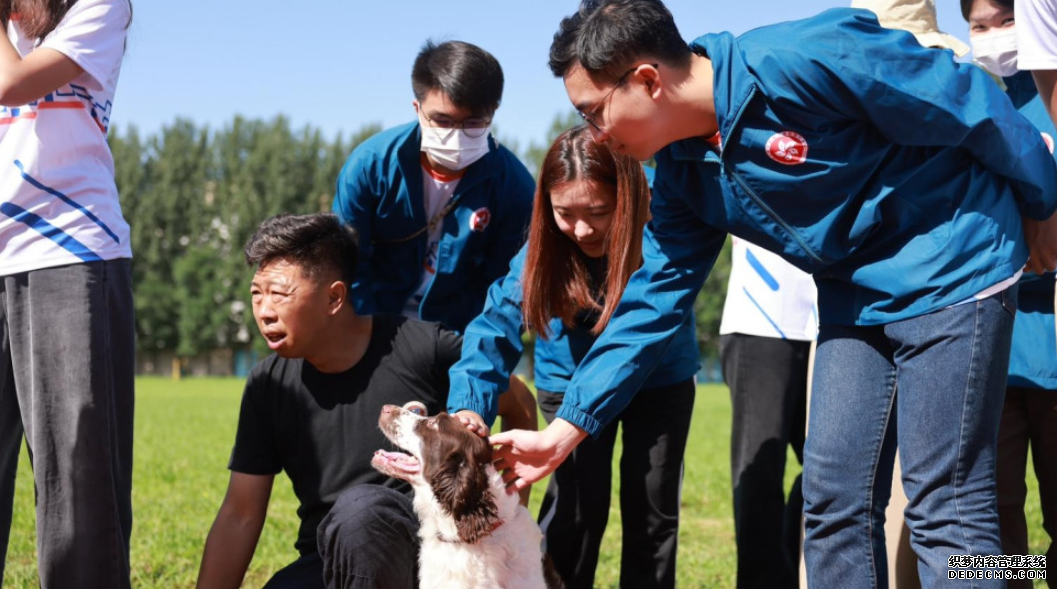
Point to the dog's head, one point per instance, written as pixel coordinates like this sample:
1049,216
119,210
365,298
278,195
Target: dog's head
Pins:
448,459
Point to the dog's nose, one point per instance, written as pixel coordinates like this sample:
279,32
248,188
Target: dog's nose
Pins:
387,409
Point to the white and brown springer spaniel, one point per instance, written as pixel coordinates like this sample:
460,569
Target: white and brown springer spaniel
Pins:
474,534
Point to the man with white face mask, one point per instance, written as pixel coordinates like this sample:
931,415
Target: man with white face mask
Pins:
993,36
440,207
1029,413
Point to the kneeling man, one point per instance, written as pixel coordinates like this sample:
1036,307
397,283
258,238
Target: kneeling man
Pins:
311,409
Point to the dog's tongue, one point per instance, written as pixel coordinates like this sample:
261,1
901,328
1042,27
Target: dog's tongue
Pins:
397,460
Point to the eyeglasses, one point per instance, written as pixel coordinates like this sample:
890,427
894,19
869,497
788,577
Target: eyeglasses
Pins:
473,127
591,115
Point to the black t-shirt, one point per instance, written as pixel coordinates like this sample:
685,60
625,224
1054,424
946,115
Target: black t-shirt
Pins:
322,429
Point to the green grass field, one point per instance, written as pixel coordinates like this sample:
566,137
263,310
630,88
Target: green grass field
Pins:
184,432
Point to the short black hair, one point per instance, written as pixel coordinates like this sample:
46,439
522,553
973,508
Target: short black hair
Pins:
320,244
605,37
967,6
469,76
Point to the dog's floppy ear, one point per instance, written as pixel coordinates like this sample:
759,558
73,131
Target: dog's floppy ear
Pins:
460,485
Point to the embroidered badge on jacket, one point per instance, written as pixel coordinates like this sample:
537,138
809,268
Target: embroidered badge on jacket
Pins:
480,219
787,148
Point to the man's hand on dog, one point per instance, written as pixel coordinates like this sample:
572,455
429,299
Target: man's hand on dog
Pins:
473,422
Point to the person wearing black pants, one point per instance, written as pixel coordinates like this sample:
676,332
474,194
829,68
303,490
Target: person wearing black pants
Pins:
67,325
768,390
575,508
368,540
371,533
586,238
769,321
75,411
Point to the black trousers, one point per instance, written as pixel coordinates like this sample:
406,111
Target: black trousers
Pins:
369,540
768,390
1029,418
575,508
67,354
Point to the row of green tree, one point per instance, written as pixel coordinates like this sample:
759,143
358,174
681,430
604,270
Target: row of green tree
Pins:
193,196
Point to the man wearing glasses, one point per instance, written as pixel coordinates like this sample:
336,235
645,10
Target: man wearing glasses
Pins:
905,183
440,207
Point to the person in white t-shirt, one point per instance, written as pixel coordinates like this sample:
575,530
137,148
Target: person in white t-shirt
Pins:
66,316
1036,46
769,321
1036,51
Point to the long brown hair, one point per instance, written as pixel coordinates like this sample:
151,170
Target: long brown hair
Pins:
556,282
37,18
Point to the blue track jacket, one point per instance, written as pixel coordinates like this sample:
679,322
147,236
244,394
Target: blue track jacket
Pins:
1033,361
380,193
894,175
491,348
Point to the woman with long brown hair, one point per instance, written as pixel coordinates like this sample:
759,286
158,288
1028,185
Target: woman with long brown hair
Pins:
67,358
585,242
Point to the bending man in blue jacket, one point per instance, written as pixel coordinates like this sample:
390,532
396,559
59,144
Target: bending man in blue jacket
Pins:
439,206
905,183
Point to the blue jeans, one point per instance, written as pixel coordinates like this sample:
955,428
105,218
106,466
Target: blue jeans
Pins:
950,370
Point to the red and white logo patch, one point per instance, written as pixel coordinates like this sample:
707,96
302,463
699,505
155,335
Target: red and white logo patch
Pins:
787,148
1049,141
480,219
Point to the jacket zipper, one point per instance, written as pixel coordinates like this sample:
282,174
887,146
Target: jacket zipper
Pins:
752,194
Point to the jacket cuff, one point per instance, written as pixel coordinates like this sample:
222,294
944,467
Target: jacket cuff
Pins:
484,403
581,420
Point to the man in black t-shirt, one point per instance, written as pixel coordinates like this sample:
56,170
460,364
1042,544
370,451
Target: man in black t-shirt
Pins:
311,409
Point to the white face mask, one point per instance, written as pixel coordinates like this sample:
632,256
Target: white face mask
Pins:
996,51
453,148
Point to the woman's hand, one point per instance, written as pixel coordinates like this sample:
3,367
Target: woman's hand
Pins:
525,457
473,422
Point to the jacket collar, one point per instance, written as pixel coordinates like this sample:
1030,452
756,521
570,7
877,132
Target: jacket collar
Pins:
732,80
732,86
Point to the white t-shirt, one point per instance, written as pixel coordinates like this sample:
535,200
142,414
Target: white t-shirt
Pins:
767,296
58,201
1036,34
437,190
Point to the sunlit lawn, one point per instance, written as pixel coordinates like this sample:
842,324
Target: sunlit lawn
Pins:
184,432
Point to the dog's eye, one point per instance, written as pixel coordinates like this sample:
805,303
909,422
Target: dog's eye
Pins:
416,407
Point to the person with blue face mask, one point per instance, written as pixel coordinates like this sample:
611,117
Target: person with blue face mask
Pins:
1029,415
439,205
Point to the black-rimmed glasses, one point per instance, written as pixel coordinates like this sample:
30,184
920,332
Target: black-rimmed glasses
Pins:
473,127
590,116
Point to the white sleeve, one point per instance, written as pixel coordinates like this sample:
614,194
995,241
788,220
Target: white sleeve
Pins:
1036,34
92,35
